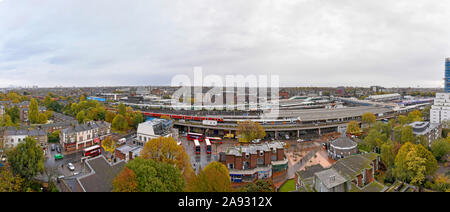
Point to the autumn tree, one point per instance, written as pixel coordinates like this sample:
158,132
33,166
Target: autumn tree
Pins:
81,117
369,118
125,181
353,128
10,182
402,119
166,149
27,159
109,145
414,116
413,163
151,176
213,178
249,131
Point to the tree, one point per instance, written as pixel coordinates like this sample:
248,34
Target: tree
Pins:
441,183
6,121
119,123
151,176
110,116
166,149
413,163
42,118
440,148
402,119
259,186
122,109
353,128
249,131
10,182
109,145
414,116
81,117
53,137
213,178
407,134
369,118
27,159
14,113
388,154
33,115
125,181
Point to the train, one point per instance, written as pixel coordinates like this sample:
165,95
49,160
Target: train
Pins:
183,117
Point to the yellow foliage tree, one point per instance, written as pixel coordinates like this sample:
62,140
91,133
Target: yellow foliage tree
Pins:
249,131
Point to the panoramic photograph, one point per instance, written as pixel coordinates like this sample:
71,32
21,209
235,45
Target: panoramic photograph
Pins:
250,101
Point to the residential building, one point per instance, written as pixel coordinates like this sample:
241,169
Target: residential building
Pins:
84,135
153,128
440,111
12,137
429,130
247,164
355,173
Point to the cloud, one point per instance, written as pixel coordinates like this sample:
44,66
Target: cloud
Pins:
306,42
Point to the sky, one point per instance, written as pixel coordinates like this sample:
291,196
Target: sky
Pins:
401,43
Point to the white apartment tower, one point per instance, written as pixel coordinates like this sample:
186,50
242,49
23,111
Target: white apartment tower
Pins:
440,111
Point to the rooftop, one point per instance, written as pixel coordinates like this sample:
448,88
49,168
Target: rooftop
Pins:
254,148
101,176
344,143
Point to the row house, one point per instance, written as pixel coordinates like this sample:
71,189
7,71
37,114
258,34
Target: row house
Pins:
247,164
12,137
85,135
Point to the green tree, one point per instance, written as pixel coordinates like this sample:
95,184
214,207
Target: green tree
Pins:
213,178
119,123
27,159
403,119
42,118
81,117
440,148
259,186
125,181
150,176
414,116
122,109
407,134
6,121
33,115
388,154
14,113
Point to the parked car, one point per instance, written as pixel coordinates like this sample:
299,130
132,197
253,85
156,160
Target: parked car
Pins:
300,140
71,167
58,149
3,159
53,147
59,157
256,141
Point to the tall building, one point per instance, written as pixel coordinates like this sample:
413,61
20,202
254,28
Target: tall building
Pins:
440,111
447,75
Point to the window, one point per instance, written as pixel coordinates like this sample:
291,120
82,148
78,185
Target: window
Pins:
247,155
230,166
261,153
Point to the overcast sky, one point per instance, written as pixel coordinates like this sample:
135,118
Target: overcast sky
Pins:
144,42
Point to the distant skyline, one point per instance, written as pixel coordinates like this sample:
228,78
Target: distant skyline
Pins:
318,43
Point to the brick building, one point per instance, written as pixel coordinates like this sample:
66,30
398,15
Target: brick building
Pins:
84,135
247,164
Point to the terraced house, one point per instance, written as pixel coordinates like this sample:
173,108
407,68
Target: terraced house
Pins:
247,164
12,136
355,173
84,135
